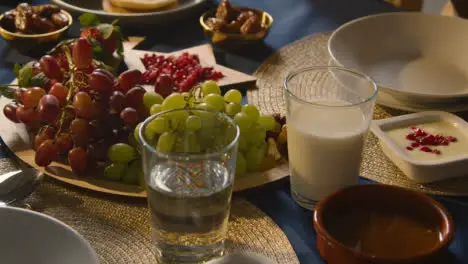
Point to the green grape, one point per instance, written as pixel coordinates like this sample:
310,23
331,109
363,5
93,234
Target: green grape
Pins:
132,173
255,156
173,101
215,100
166,142
232,109
241,164
177,119
243,143
115,171
267,121
233,96
188,99
210,87
133,141
243,121
205,106
136,133
257,133
152,98
121,153
158,125
251,111
193,123
193,144
156,108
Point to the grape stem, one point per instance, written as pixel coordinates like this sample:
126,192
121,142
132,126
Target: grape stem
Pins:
71,89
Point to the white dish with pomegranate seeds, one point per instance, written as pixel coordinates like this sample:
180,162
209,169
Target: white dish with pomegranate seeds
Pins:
426,146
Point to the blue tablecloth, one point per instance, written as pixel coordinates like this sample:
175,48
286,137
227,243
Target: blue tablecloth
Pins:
294,19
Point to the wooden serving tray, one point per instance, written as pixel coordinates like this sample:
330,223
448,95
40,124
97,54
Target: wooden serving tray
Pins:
18,140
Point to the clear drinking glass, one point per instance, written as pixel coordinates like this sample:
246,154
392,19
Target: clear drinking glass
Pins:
189,182
329,110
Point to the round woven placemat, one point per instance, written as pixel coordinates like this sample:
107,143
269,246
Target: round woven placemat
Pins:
118,228
312,51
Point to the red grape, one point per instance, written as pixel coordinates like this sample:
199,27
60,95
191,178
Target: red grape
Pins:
117,101
129,116
79,130
32,96
143,113
10,112
82,53
39,139
111,43
84,105
106,72
19,93
60,92
64,142
100,82
49,109
134,97
128,79
95,130
164,85
46,153
50,67
27,115
49,131
78,160
98,150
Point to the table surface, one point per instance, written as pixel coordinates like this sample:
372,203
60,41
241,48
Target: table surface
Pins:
294,19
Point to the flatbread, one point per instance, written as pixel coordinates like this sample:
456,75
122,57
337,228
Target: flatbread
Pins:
142,4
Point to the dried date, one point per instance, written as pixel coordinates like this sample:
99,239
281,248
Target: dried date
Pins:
252,25
59,19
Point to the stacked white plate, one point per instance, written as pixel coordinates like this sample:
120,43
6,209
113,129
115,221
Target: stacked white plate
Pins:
419,61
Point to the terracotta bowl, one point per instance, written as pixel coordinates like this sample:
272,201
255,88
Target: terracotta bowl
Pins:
382,197
35,44
236,40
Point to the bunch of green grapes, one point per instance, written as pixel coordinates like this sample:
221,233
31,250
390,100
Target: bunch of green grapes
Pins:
164,129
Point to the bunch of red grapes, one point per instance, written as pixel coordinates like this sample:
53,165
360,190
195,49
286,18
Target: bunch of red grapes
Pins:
81,111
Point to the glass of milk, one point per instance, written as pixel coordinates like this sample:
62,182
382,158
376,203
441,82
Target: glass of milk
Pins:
329,110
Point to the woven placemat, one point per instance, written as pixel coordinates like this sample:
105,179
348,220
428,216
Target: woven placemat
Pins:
119,230
312,51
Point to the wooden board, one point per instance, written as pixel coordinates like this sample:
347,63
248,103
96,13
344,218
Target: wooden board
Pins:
205,53
18,141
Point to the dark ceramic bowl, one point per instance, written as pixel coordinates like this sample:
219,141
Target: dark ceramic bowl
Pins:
236,40
35,44
382,197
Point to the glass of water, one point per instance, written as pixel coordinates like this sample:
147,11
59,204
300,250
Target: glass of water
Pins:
329,110
189,170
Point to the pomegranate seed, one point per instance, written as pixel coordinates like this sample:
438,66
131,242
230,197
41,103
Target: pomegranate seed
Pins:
436,151
426,149
409,148
185,70
415,145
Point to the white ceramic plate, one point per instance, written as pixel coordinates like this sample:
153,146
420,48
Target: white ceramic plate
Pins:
29,237
390,101
183,9
412,56
422,171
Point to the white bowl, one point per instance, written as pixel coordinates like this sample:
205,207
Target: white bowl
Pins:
28,237
410,55
423,171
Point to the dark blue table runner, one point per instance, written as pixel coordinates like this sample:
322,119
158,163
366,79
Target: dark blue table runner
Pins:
294,19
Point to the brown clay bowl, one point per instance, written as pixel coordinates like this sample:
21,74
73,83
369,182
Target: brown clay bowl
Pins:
381,197
236,40
35,44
